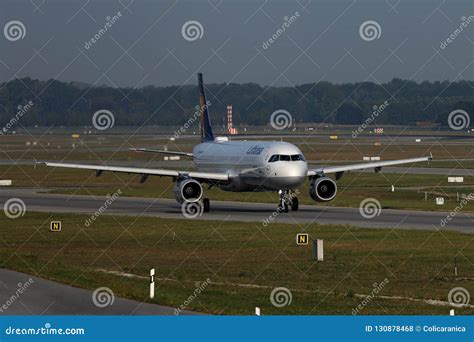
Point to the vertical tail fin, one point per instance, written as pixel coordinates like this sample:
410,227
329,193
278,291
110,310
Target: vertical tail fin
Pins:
206,129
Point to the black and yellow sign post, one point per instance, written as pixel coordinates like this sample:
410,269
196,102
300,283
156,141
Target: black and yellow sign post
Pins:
55,226
302,239
318,246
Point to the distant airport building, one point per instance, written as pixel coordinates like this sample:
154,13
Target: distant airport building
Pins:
426,124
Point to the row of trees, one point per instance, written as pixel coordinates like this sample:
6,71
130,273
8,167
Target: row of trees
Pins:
73,104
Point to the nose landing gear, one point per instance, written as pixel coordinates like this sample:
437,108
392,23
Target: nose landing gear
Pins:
288,198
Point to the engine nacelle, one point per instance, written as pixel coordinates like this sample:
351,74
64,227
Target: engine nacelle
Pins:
322,189
189,190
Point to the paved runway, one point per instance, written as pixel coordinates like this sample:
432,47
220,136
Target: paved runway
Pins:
44,297
240,211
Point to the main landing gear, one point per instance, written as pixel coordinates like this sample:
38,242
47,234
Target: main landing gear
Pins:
206,205
288,199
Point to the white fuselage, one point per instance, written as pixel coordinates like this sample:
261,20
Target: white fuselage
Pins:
253,165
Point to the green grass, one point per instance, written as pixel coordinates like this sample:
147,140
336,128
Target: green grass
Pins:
417,264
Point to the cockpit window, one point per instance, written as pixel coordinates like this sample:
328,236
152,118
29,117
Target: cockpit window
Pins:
296,157
274,158
284,157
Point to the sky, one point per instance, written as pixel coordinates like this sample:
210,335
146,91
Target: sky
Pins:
275,43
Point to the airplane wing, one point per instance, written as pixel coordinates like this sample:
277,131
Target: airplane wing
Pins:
207,177
377,166
186,154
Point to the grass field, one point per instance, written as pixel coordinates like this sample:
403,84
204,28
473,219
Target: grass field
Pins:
244,262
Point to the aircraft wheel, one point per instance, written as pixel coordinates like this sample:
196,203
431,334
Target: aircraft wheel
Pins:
206,205
294,204
286,207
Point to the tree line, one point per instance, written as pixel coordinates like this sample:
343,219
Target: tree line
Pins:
73,104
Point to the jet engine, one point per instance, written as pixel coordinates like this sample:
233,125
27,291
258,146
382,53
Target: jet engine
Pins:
189,190
322,189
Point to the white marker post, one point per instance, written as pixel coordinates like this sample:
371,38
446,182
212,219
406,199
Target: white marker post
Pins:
318,250
257,311
451,312
152,283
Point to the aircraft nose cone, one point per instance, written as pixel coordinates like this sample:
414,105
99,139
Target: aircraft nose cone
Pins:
294,175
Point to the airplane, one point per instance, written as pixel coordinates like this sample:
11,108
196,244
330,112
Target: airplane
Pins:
243,166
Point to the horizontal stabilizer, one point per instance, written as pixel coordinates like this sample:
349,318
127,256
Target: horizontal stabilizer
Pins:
186,154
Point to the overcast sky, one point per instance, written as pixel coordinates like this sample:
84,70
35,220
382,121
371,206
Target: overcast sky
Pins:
322,40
